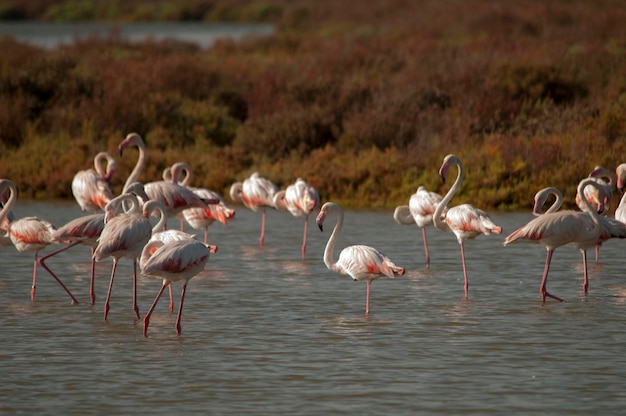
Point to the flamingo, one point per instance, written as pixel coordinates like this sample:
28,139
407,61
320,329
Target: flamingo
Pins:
555,229
422,206
91,187
599,197
199,218
256,193
360,262
29,234
465,221
83,230
175,198
172,261
300,199
620,211
125,235
610,227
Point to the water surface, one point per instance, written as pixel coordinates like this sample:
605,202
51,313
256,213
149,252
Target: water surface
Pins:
52,35
266,332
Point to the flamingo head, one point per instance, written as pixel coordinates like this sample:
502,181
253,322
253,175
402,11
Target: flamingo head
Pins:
132,139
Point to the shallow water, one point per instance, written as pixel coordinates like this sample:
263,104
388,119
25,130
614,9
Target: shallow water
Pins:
52,35
266,332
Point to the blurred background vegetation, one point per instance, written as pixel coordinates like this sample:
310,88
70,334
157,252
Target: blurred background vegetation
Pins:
361,99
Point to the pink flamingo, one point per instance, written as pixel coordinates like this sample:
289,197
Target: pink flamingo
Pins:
422,206
83,230
360,262
580,229
256,193
29,234
91,187
199,218
599,197
300,199
125,235
172,261
620,211
465,221
175,198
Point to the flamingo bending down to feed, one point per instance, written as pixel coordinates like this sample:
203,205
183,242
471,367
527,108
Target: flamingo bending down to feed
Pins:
125,235
465,221
580,229
422,206
174,197
300,199
83,230
91,187
172,261
360,262
29,234
256,193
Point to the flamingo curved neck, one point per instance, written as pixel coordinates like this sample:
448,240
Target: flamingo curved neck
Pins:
149,209
439,223
595,217
7,184
329,258
141,161
402,215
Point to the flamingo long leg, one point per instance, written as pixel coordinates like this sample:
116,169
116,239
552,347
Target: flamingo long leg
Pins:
42,262
465,281
585,273
426,247
92,283
180,307
34,285
135,307
146,319
262,238
367,298
306,225
106,302
544,280
171,299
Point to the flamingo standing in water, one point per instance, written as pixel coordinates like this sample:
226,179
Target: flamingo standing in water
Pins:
422,206
175,198
599,197
125,235
83,230
300,199
465,221
256,193
611,228
172,261
91,187
555,229
29,234
199,218
360,262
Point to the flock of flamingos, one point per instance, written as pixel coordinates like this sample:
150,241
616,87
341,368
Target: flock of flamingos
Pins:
120,227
